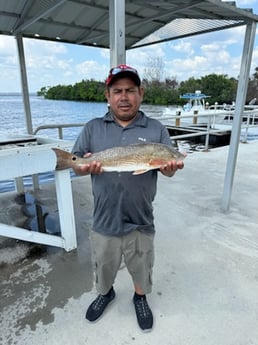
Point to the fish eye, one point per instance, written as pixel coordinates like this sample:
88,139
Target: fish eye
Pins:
73,158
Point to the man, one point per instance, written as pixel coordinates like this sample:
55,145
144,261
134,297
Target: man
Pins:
123,216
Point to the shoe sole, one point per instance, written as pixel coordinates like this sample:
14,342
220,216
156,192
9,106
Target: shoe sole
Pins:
148,330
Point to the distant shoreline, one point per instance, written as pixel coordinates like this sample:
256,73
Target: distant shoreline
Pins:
16,94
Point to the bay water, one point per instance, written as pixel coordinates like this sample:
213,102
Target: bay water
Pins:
44,112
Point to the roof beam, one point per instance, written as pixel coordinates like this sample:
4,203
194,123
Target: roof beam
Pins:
36,18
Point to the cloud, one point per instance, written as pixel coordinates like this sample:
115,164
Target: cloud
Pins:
183,46
218,45
245,3
43,61
105,54
138,58
7,46
35,46
91,69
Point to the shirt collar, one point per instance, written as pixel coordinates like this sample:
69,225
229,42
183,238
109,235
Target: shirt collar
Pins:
140,121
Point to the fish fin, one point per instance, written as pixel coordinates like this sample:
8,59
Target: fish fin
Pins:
157,163
139,172
63,159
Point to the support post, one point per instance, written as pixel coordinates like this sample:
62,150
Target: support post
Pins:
240,102
19,186
24,82
178,113
117,32
65,207
195,117
25,95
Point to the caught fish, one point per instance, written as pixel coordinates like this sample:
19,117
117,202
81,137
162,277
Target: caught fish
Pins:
138,158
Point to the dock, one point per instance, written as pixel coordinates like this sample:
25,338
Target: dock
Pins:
210,127
205,281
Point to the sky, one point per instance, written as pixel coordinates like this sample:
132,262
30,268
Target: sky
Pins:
50,63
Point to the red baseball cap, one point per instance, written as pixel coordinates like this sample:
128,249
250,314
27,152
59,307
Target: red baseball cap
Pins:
123,71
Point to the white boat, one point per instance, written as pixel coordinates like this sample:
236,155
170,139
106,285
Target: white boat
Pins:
197,109
198,116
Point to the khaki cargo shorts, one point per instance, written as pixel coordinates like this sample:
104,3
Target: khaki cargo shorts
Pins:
137,250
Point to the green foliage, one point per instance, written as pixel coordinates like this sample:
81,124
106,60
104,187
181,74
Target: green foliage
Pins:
42,91
86,90
160,93
220,88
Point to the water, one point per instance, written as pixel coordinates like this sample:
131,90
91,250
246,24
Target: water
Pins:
56,112
46,112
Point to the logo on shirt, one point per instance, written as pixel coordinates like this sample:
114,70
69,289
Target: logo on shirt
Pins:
142,139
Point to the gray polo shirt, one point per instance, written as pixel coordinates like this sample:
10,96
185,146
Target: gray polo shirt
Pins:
122,201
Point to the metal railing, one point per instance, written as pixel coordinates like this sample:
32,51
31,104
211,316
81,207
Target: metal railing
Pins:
59,127
216,122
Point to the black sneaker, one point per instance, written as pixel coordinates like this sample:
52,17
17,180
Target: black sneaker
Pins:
98,306
143,313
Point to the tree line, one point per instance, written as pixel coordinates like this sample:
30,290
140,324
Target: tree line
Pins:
219,87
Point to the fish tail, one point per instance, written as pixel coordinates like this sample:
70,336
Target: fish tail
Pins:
63,159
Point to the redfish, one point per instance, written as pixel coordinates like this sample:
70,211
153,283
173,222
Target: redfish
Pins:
138,158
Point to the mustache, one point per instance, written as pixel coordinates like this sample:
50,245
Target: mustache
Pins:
127,104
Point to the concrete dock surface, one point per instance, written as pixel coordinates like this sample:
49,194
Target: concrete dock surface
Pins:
205,281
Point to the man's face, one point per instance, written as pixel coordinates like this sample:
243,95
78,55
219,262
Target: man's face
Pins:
124,98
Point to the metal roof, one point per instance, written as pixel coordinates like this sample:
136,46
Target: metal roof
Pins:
86,22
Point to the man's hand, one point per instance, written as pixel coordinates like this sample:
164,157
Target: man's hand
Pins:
93,167
171,167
